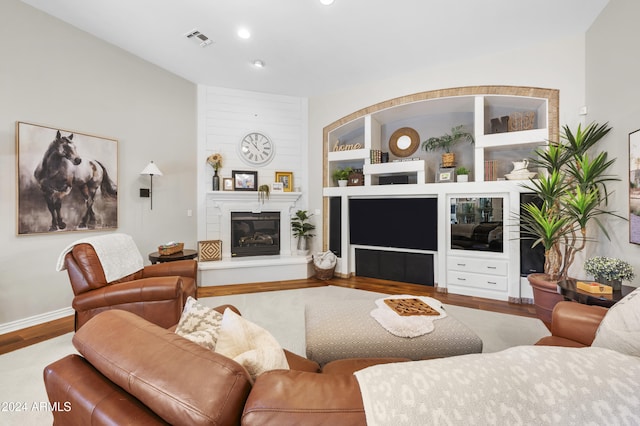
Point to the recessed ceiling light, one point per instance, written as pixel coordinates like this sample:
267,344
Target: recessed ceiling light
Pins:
244,33
258,63
326,2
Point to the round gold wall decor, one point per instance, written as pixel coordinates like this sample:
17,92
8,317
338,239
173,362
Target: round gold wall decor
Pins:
404,142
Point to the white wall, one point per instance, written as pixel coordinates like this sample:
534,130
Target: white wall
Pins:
55,75
556,65
612,94
225,116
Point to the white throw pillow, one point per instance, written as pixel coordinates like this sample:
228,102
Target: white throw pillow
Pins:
199,323
620,328
250,345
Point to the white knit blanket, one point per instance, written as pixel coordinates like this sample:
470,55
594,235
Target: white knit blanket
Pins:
407,326
524,385
118,255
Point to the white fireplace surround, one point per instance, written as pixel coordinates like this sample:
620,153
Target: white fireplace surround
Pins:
288,265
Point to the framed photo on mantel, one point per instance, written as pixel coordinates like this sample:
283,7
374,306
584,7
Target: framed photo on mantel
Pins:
245,180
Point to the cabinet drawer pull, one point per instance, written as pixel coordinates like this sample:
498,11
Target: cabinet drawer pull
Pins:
462,264
492,282
491,267
462,279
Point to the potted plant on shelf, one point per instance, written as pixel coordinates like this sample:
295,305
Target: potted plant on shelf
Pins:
610,271
571,194
462,174
302,230
446,141
341,175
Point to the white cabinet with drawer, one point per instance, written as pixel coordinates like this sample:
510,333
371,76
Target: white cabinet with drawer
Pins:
480,273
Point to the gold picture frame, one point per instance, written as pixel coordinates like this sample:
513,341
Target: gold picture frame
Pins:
286,178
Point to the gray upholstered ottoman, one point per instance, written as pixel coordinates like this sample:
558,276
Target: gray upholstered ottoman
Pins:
344,329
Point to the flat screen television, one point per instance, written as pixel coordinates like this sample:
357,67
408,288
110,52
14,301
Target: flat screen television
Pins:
410,223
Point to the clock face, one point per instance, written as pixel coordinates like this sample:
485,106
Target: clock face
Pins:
256,149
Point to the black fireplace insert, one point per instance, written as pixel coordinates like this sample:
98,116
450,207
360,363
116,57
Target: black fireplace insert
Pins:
255,234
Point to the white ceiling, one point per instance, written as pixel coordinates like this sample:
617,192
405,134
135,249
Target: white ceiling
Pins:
311,49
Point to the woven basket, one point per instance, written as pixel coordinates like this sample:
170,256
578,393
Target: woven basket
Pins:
324,274
167,250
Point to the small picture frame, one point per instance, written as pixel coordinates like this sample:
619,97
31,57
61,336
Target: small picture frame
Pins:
277,187
286,178
446,174
244,180
227,184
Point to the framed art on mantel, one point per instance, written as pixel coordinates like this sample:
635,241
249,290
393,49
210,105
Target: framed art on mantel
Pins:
634,187
245,180
67,181
286,178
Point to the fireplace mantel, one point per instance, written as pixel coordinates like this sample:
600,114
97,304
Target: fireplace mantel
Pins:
252,196
286,265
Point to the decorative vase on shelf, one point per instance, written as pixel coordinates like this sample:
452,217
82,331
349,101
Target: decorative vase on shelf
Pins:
216,181
614,284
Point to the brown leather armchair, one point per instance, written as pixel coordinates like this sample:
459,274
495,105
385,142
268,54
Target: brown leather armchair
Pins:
156,292
573,325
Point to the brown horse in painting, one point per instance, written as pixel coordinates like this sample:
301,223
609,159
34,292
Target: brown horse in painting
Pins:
61,170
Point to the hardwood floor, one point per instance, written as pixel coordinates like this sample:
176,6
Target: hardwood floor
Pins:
29,336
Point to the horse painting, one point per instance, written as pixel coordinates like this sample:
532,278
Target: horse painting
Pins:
61,170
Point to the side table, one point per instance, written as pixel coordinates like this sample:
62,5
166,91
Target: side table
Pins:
568,288
156,257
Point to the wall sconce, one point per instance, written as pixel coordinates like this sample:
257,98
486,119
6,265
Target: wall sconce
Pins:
150,170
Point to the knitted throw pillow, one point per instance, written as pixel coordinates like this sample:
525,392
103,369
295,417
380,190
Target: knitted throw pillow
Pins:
199,323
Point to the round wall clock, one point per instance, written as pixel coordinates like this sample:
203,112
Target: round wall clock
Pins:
256,149
404,142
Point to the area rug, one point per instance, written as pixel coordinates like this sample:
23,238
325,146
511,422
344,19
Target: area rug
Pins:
280,312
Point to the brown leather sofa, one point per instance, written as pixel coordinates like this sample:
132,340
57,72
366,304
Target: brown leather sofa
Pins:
573,325
163,378
156,292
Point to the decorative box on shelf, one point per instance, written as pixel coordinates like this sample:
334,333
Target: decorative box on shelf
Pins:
356,178
592,287
170,248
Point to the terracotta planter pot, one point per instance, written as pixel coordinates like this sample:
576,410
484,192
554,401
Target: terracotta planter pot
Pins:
545,296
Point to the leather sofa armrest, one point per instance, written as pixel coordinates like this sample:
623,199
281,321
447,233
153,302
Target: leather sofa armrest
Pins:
179,380
86,397
143,290
183,268
577,322
291,397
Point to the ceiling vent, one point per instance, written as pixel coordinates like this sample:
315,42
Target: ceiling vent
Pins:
196,35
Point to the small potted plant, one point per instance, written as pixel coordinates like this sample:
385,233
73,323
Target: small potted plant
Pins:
610,271
302,230
462,174
263,193
341,175
445,142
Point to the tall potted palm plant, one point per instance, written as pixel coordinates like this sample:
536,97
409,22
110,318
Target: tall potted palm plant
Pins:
571,193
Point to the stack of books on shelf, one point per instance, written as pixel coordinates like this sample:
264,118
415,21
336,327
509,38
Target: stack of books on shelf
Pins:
490,170
376,156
